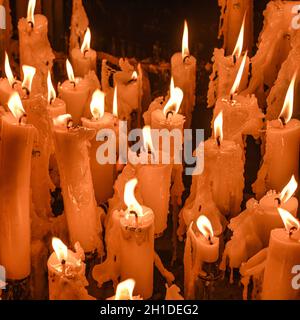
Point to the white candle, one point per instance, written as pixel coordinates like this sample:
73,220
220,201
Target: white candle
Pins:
183,67
15,151
66,273
84,59
283,255
201,246
83,216
75,92
137,243
103,174
281,158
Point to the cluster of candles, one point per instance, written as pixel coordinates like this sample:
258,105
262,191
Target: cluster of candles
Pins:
37,126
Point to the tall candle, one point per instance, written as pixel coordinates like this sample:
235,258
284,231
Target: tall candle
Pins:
84,59
183,67
15,152
103,174
281,158
66,273
83,216
283,255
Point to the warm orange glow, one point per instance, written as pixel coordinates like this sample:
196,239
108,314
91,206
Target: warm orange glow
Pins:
86,44
9,75
185,41
147,138
51,90
205,227
97,104
134,75
129,198
288,191
287,109
29,73
218,127
115,102
30,11
15,105
239,75
60,249
290,222
174,103
240,41
70,71
62,120
125,290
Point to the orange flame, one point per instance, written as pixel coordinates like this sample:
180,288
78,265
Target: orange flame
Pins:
97,104
174,103
290,222
29,73
125,290
205,227
185,41
134,75
129,197
288,191
115,102
70,71
15,105
287,109
51,90
86,44
240,41
9,75
30,11
239,75
60,249
218,127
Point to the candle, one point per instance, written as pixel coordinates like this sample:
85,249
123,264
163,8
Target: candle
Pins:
281,158
56,106
103,174
84,59
137,243
15,150
66,273
83,216
201,247
35,49
229,72
283,255
75,93
125,291
183,67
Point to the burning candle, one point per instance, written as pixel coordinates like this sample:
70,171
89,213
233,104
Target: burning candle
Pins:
283,255
35,49
103,174
201,247
125,291
183,67
15,151
84,59
281,158
83,216
229,72
137,243
75,93
66,273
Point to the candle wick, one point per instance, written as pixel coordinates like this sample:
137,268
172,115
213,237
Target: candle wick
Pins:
74,83
70,123
169,113
63,263
14,84
278,200
186,58
27,92
234,59
85,52
231,97
292,230
209,239
136,216
282,121
51,100
22,119
31,24
219,141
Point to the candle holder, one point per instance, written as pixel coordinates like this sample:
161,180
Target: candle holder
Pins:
17,290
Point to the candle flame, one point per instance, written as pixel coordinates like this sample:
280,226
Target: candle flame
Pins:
287,109
115,102
240,41
185,41
134,75
86,44
205,227
70,71
62,120
9,75
129,198
97,104
15,105
218,127
239,75
288,191
29,73
174,103
51,90
290,222
125,290
147,138
30,11
172,86
60,249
